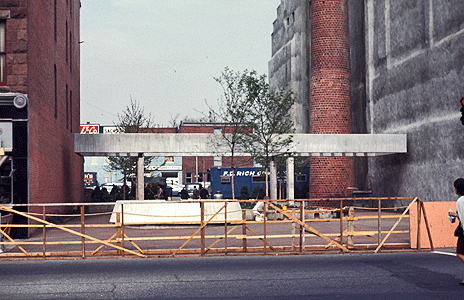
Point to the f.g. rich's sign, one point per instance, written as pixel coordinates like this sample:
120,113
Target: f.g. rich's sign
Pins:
90,129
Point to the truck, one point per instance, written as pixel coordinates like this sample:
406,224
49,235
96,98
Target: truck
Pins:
253,177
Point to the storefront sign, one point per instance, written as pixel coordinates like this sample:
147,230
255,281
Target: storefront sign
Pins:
90,129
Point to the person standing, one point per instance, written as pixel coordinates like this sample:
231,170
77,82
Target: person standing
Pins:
159,193
459,189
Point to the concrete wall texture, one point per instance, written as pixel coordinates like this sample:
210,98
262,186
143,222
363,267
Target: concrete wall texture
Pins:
43,61
406,63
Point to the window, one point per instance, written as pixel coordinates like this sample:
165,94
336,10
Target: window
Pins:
261,178
188,177
56,92
70,111
55,20
70,51
67,106
67,43
169,159
2,52
301,178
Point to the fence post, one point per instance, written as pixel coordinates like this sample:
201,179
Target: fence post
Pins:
341,223
118,231
264,224
419,212
293,230
349,238
123,253
302,230
83,230
379,221
202,231
244,240
225,226
44,244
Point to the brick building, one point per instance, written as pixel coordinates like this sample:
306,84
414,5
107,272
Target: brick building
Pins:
403,61
195,168
39,102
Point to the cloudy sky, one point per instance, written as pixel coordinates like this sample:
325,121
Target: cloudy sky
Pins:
165,53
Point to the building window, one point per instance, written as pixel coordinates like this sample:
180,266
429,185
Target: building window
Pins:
67,43
70,111
67,106
2,52
169,159
56,92
188,177
301,178
261,178
70,51
218,161
54,20
94,161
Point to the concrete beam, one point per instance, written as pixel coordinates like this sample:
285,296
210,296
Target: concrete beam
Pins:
205,144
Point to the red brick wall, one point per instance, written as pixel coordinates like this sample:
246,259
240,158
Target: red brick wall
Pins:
55,172
330,95
204,163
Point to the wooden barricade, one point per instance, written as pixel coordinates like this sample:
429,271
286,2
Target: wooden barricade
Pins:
299,230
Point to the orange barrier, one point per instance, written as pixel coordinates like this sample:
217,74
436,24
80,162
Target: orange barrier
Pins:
297,231
441,228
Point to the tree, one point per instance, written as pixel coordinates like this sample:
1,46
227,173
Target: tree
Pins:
232,112
132,120
269,117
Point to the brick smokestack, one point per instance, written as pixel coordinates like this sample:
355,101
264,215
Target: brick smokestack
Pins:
330,104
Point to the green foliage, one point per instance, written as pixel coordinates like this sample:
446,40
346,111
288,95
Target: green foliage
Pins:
132,120
269,116
244,194
258,193
247,205
232,112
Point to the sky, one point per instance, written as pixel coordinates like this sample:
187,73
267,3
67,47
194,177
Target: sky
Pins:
165,54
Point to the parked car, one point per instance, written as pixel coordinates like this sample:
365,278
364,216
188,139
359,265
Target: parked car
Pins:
176,188
109,185
190,186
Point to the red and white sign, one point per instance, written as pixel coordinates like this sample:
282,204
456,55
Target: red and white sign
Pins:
90,129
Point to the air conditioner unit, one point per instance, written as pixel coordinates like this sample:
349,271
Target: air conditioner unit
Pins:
225,179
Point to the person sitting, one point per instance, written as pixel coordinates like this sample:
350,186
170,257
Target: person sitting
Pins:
184,194
196,193
204,193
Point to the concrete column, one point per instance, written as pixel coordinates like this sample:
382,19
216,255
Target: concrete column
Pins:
273,181
291,179
140,178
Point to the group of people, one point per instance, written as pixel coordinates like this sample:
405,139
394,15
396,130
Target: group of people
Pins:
202,193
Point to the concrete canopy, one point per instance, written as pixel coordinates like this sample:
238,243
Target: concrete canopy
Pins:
205,144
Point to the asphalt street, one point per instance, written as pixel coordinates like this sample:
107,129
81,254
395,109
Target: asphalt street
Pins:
344,276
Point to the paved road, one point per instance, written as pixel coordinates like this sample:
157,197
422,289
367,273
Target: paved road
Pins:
347,276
